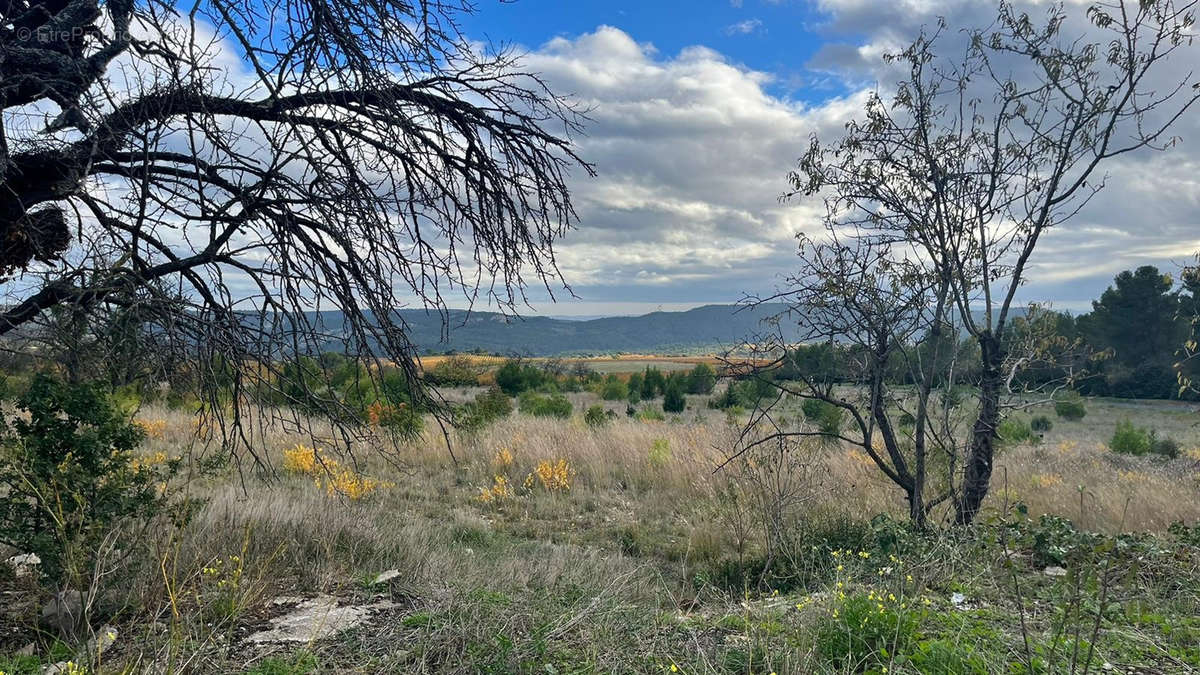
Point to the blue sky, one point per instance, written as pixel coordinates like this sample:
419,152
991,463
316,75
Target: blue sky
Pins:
778,37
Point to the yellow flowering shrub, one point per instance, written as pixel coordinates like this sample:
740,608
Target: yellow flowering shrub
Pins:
555,476
303,460
328,474
1046,480
500,490
156,428
503,458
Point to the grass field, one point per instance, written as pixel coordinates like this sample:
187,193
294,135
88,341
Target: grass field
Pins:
554,547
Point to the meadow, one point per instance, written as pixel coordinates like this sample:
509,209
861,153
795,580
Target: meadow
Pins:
556,546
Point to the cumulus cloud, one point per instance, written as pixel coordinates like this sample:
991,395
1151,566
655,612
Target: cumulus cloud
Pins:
693,151
692,154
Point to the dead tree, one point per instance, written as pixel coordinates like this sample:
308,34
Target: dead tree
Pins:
273,163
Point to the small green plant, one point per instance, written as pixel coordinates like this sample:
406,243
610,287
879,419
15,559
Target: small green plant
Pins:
1129,439
826,416
1070,407
865,634
69,475
1041,424
660,453
1163,447
552,405
1015,431
614,389
649,414
595,416
487,407
301,663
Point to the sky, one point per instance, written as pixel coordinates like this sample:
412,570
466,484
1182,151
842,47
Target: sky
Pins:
699,110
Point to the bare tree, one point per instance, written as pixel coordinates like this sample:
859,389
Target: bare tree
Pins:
890,320
974,158
272,161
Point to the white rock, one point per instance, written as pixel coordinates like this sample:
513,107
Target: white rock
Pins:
315,619
23,565
958,599
385,577
1054,571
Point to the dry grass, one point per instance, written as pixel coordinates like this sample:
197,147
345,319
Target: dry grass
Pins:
637,514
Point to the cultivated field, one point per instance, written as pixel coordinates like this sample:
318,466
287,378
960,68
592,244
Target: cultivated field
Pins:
552,546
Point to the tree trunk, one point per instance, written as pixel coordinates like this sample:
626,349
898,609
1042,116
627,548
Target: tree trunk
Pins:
978,475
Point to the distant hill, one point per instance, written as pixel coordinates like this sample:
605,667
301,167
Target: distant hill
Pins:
703,329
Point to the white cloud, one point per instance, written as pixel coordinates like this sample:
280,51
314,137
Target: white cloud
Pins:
745,27
693,151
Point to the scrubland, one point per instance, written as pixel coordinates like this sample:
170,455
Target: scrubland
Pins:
550,546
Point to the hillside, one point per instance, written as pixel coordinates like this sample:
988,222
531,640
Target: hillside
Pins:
706,328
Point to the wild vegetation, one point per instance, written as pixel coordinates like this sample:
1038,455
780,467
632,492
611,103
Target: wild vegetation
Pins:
907,470
599,546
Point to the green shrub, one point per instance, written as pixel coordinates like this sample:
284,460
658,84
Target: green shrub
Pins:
701,379
513,377
649,414
494,403
1129,439
553,405
614,389
595,416
456,371
1041,424
488,406
673,399
863,636
653,383
1070,408
1164,447
826,416
948,657
1015,431
660,453
69,475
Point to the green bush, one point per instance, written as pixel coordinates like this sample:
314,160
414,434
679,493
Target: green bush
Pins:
487,407
1015,431
553,405
1129,439
948,657
513,377
701,379
864,637
653,383
1070,408
673,399
826,416
595,416
456,371
1163,447
1041,424
649,414
69,475
614,389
